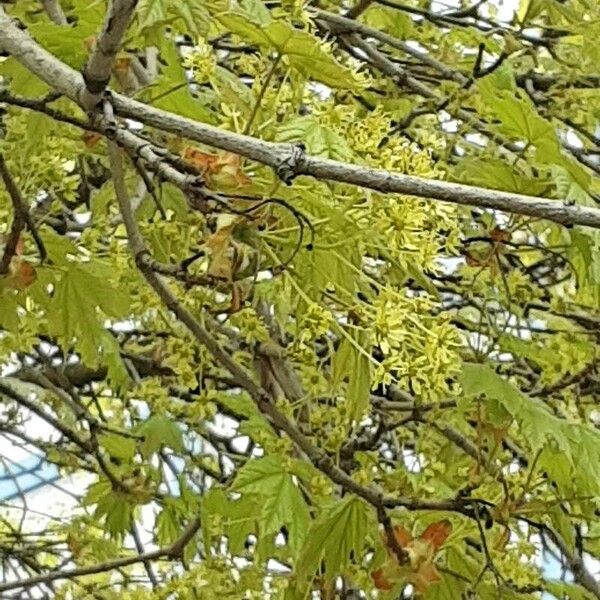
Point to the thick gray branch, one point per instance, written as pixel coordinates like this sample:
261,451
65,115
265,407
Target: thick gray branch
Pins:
67,81
96,73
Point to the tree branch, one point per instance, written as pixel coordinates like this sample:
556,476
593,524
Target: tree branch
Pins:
574,560
22,218
54,11
172,551
96,73
339,25
320,459
287,160
69,434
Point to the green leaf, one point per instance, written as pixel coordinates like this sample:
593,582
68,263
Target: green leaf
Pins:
529,9
58,247
353,366
117,445
151,12
584,254
448,588
497,174
39,127
572,183
82,290
96,491
111,356
259,475
8,310
118,513
237,518
174,199
194,15
283,503
563,589
233,91
305,54
111,505
245,28
160,431
394,22
517,115
171,91
256,11
319,139
22,81
336,537
168,521
556,439
301,48
70,43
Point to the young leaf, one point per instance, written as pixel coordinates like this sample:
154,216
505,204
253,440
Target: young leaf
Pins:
578,444
118,446
159,431
301,48
283,503
319,139
352,365
337,537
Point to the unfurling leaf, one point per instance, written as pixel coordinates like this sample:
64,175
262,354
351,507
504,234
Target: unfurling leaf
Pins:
159,431
222,170
21,274
421,571
437,533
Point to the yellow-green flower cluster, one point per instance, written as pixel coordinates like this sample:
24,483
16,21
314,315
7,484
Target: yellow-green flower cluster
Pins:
315,323
251,326
47,165
420,350
201,61
181,358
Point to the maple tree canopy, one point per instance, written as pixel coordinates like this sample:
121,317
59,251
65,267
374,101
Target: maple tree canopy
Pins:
305,295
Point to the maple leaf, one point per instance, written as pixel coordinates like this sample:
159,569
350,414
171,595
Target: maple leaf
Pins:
223,170
21,274
421,571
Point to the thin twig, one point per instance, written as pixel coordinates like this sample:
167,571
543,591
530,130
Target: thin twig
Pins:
22,218
172,551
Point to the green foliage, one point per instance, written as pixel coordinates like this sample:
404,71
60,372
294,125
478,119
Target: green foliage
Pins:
160,431
319,140
338,535
568,452
280,497
319,357
302,50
